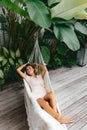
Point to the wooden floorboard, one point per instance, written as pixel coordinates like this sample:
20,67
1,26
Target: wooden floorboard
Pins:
12,109
70,87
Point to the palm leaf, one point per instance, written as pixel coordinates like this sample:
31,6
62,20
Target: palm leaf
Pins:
68,9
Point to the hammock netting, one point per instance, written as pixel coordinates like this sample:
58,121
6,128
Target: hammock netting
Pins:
37,118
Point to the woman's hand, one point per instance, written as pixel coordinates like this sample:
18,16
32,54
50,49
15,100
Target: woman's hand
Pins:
36,64
42,67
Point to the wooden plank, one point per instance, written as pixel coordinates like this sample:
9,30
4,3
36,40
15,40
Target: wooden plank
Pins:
12,109
70,86
83,128
79,124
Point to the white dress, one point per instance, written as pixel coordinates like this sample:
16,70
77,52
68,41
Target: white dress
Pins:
37,86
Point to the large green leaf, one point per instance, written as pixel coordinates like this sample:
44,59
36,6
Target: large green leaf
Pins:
11,61
4,62
20,61
18,53
63,21
1,58
12,6
12,54
81,28
67,35
68,9
38,13
5,51
1,74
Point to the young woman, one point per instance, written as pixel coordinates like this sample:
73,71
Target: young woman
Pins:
46,101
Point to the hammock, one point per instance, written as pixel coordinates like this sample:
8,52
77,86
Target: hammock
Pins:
37,118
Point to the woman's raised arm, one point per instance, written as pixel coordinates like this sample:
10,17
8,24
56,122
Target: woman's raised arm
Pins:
19,70
43,68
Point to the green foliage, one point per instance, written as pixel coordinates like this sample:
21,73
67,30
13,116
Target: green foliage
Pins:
81,31
1,74
81,28
38,13
18,53
45,53
62,56
64,31
9,61
9,56
12,6
25,20
69,9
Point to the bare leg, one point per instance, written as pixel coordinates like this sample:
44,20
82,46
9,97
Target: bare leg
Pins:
52,100
45,105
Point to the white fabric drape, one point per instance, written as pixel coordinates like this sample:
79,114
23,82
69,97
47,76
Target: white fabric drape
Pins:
37,118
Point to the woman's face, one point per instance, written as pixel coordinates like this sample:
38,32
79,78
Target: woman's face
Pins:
29,70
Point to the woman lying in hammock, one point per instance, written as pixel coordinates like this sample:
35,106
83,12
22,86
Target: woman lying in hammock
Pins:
46,101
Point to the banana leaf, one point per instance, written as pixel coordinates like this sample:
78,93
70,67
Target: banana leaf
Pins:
38,13
68,9
81,28
67,35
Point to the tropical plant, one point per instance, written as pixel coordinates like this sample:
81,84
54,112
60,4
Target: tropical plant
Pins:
9,61
43,12
61,55
70,9
21,32
81,31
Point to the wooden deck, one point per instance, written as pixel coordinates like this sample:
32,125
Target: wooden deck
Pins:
70,86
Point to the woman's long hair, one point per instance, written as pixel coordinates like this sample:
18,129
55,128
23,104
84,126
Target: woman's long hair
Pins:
33,66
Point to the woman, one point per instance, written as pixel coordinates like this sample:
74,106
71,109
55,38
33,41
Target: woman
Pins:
46,100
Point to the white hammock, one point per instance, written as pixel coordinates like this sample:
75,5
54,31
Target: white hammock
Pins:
37,118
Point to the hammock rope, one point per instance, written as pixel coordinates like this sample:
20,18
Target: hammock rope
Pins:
36,56
37,118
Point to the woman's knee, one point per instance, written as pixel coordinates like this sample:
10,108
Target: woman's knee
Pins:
42,102
39,100
51,94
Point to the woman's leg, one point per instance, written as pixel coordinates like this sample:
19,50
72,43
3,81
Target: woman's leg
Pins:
52,100
45,105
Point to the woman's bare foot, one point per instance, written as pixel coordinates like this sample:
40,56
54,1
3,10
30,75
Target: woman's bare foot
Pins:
64,120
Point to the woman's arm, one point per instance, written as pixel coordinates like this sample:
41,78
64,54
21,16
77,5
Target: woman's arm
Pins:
19,70
43,68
